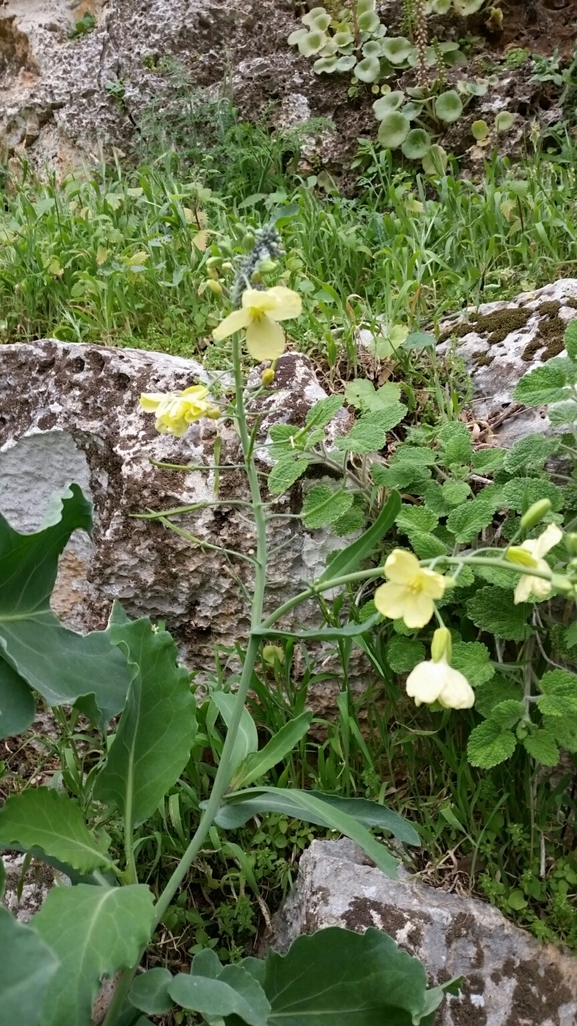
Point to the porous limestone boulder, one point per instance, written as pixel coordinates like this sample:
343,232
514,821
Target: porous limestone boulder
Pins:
70,412
500,342
510,978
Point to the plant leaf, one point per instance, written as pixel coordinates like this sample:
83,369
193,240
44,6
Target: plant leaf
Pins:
94,931
256,764
157,726
246,741
44,818
17,705
149,992
215,999
349,558
27,966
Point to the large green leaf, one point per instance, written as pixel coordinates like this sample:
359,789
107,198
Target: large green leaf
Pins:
94,931
349,558
58,663
324,810
157,726
234,993
149,992
256,764
246,740
17,705
27,965
339,978
44,818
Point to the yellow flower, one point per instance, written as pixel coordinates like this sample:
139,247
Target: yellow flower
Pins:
439,682
536,548
411,590
261,310
176,411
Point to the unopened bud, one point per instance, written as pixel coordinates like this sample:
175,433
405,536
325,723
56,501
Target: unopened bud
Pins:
571,543
535,513
441,645
213,413
265,266
272,654
214,286
267,376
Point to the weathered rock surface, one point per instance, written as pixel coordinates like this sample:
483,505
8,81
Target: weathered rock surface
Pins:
71,413
510,978
502,341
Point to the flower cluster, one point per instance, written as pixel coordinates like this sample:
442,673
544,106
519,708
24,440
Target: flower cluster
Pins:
176,411
267,246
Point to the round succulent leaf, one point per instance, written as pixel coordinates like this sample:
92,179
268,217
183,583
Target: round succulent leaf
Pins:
435,160
368,70
312,15
364,6
504,120
369,21
480,130
454,57
416,144
321,21
447,45
396,49
372,49
464,8
412,110
380,32
416,92
393,130
295,37
343,38
449,106
312,43
440,6
330,49
346,63
326,65
387,103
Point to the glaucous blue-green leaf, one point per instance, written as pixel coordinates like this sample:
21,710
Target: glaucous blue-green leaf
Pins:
339,978
246,741
17,705
219,998
149,992
157,726
60,664
27,966
44,818
256,764
94,932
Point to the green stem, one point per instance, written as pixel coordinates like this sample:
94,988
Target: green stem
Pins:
223,774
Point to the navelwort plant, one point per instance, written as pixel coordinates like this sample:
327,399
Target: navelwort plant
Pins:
127,681
356,40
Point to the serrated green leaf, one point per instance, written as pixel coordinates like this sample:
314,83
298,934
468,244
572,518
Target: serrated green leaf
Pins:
497,690
557,705
61,665
559,682
543,385
563,413
491,609
472,659
27,968
362,394
399,476
353,520
157,726
488,461
403,654
571,635
94,931
455,492
44,818
488,745
435,500
370,432
349,558
323,411
570,339
455,439
530,452
497,575
149,992
468,520
415,518
414,456
522,492
286,439
426,546
285,473
507,713
323,506
564,730
542,747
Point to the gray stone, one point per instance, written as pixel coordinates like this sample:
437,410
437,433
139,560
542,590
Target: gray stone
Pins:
510,978
502,341
71,413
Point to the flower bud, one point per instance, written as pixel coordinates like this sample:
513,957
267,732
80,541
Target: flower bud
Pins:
441,645
267,376
535,513
265,266
272,654
214,413
571,543
520,556
214,286
214,261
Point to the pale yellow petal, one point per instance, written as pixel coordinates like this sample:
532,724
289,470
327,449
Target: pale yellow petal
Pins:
426,682
418,610
523,590
401,567
456,693
236,321
390,600
289,303
150,401
198,391
265,339
548,540
432,583
258,301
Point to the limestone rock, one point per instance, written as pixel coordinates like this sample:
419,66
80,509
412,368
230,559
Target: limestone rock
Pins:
502,341
510,978
71,412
